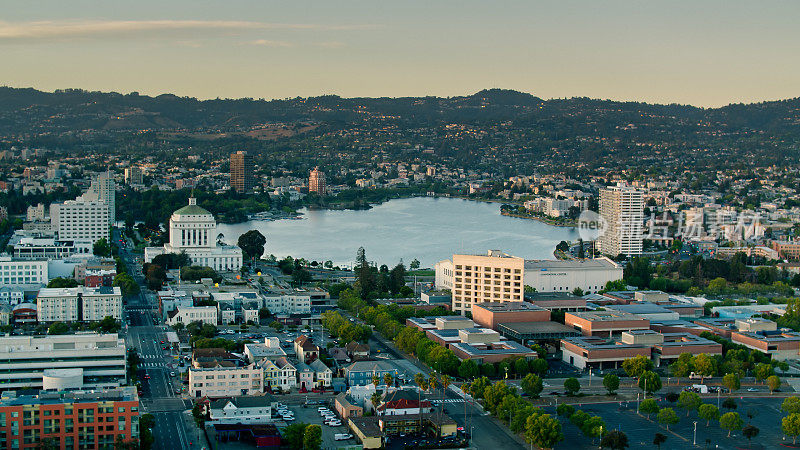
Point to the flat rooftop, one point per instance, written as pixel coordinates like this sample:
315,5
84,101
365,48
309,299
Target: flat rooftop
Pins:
641,308
570,264
538,328
497,348
605,316
508,306
600,343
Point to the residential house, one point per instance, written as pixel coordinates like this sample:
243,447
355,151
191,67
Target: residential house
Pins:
357,351
360,373
322,374
305,350
242,409
287,377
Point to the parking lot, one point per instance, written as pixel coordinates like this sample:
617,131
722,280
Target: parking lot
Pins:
641,431
310,415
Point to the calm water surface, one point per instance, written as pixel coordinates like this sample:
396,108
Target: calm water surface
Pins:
428,229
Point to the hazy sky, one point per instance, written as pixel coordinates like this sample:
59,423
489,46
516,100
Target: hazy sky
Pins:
705,53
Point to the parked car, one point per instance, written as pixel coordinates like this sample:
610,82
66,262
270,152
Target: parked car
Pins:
342,436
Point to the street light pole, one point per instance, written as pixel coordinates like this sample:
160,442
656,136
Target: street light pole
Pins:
694,438
637,403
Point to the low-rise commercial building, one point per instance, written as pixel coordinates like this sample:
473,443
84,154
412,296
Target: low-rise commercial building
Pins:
556,301
70,420
599,352
780,345
605,323
646,310
588,275
24,359
189,314
22,272
242,409
492,314
225,380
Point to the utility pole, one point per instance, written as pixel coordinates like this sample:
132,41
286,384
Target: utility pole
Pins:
694,438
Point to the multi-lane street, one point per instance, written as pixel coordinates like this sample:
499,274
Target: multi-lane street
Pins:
160,391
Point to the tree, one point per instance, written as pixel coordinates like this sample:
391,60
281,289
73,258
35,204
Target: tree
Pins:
637,365
102,248
704,366
252,244
667,417
648,406
731,381
58,328
659,439
565,409
468,369
762,371
539,366
543,431
364,275
649,382
572,386
293,435
791,405
708,412
773,382
611,383
593,427
532,385
388,379
750,432
62,282
790,425
521,366
729,403
689,401
616,440
414,264
127,284
731,421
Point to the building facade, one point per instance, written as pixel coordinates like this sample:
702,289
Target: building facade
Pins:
70,420
80,219
193,230
316,182
19,272
101,357
222,381
242,179
79,304
494,277
622,208
588,275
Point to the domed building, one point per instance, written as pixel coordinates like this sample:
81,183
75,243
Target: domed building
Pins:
193,230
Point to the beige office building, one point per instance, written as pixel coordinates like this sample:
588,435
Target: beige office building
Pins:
494,277
622,208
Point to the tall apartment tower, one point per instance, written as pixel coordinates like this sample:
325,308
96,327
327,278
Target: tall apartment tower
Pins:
241,171
103,189
622,207
133,175
316,181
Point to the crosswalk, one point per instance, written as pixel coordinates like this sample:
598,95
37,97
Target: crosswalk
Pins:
450,400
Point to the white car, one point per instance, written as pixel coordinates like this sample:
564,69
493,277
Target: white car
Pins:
334,423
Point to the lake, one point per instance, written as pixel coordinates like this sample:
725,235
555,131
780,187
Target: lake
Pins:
425,228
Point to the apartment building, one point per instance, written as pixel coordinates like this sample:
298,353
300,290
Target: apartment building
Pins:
103,189
288,304
316,182
28,245
20,272
99,357
134,175
622,208
225,380
70,420
81,304
80,219
494,277
242,179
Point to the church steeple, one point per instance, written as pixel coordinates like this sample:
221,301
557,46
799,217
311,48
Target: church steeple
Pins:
192,201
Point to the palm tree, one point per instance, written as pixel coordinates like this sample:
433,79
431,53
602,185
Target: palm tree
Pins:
445,382
376,399
432,383
388,380
376,380
422,384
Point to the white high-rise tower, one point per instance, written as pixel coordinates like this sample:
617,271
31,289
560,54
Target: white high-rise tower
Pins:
622,207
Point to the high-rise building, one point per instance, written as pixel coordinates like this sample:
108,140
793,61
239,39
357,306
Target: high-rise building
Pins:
133,175
493,277
241,171
622,208
80,219
316,182
103,189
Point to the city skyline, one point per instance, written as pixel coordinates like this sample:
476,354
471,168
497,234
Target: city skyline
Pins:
704,55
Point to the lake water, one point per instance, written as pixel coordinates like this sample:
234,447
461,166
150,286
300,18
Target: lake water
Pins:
428,229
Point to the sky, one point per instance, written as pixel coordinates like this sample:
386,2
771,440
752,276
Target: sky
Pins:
699,52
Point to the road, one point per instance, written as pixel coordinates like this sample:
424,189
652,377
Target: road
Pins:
173,429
